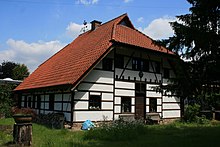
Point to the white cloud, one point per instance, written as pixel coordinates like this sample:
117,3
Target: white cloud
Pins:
31,54
127,1
74,29
140,19
87,2
159,28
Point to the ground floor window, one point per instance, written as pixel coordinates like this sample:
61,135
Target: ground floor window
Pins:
51,102
126,105
153,105
94,102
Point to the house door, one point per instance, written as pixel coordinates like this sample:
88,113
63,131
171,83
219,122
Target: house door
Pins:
140,100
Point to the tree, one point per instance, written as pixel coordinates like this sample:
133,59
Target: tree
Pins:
196,38
19,72
13,70
6,98
7,68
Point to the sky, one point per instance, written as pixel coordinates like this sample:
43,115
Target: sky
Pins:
33,30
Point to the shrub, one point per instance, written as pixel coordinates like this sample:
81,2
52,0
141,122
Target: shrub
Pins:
192,115
117,130
191,112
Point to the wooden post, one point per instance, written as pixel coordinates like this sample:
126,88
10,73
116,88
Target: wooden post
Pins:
22,134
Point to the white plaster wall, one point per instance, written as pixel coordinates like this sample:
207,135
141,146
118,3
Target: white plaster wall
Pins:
81,95
92,115
171,106
96,87
171,114
107,105
151,86
147,108
121,92
117,109
153,94
159,109
159,102
100,76
170,99
117,100
107,96
132,109
81,105
132,101
133,74
126,85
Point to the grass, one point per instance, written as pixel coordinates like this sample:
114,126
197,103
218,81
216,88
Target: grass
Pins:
177,134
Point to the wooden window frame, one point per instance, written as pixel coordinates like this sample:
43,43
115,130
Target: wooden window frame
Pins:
125,100
95,102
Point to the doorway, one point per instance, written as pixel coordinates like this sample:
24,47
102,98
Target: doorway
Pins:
140,100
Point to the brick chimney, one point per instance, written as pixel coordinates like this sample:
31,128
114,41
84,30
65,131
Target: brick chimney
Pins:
95,24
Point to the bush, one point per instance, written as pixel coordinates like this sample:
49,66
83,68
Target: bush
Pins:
192,115
117,130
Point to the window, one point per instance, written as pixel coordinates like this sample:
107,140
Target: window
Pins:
157,67
166,73
94,102
137,64
33,102
126,105
140,64
107,64
153,105
25,101
119,61
38,101
51,102
146,65
29,102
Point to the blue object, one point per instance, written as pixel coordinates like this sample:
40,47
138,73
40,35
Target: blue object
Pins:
87,125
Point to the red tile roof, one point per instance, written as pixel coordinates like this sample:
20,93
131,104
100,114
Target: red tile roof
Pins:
69,64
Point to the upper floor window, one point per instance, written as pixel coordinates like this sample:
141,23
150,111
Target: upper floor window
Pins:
140,64
157,67
119,61
107,64
125,104
95,102
166,73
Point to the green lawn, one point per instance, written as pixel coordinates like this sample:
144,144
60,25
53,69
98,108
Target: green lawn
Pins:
173,135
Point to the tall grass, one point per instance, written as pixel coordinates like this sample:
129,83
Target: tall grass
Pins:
124,134
118,130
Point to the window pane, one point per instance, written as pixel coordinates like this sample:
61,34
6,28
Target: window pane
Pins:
119,61
126,104
95,102
153,105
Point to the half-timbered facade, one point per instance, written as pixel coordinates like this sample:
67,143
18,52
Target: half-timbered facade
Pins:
109,71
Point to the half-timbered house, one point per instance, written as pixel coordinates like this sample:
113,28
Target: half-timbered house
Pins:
106,72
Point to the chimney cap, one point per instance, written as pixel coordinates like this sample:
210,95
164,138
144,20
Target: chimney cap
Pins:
96,21
95,24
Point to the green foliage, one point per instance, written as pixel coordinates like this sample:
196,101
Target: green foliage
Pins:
191,113
7,68
6,99
175,134
118,130
19,72
13,70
